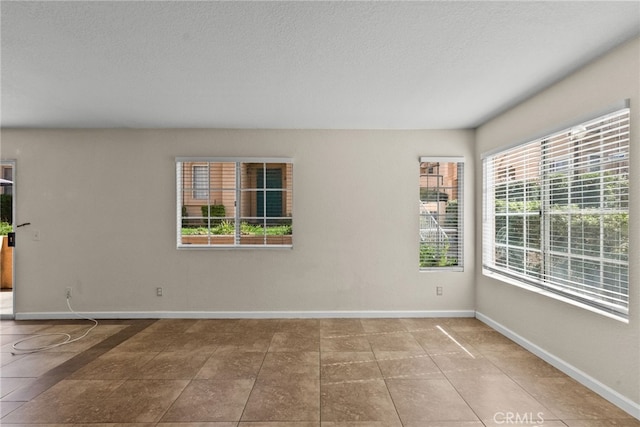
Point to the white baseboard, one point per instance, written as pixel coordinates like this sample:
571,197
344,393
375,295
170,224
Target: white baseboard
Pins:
244,314
623,402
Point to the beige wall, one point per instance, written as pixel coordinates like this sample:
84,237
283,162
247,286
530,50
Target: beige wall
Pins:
105,204
605,349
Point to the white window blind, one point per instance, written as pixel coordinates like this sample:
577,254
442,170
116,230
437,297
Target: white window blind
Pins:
441,210
231,202
556,210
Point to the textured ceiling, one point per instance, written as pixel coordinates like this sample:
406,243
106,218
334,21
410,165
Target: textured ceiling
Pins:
313,65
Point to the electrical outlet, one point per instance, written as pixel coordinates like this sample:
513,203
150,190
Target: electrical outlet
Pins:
67,293
159,292
439,291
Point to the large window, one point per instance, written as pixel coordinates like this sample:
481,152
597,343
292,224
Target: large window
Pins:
556,212
440,213
234,202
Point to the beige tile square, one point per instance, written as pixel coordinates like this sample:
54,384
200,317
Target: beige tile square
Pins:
302,326
421,324
261,326
568,399
383,325
446,424
170,326
284,401
361,424
114,365
34,365
522,364
428,400
463,365
340,327
338,367
294,342
203,424
513,419
210,400
491,394
134,401
280,424
612,422
213,326
442,340
195,343
357,401
172,365
7,407
397,341
6,357
465,324
231,365
147,342
285,366
345,343
20,328
244,341
488,340
407,365
80,345
66,402
8,385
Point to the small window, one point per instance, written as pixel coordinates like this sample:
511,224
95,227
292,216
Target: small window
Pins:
563,224
201,182
234,202
440,213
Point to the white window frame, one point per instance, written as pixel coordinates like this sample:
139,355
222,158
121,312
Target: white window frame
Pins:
238,239
439,236
574,201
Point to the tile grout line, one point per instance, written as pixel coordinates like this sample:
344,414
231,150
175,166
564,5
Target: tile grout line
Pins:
319,374
517,383
255,381
189,382
386,384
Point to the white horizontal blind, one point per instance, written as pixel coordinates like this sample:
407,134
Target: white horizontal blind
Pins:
233,202
441,208
555,212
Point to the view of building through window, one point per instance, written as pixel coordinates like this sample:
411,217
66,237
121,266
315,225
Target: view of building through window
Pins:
230,203
440,213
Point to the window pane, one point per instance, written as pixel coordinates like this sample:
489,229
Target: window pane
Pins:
231,203
200,182
440,214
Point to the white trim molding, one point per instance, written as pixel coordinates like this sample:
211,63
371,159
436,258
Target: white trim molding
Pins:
244,314
623,402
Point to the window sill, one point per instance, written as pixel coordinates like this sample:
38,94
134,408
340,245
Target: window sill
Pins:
232,247
441,269
557,297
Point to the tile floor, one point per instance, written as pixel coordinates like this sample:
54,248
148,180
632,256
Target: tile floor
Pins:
290,373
